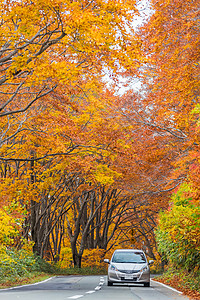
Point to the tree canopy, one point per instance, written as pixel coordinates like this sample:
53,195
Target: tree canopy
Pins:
82,167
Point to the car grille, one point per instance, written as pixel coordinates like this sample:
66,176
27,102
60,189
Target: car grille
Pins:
128,271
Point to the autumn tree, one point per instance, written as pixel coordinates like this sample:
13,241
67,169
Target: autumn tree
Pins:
173,68
94,220
161,120
54,52
170,107
47,44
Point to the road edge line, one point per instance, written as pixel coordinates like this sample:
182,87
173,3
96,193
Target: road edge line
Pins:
29,284
167,286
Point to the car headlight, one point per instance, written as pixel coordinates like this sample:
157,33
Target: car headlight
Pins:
113,268
144,269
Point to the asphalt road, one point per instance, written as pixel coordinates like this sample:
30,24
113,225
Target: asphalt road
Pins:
89,288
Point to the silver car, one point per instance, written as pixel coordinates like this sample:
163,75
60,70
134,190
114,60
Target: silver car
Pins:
128,266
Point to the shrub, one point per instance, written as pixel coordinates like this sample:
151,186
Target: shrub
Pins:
14,264
178,234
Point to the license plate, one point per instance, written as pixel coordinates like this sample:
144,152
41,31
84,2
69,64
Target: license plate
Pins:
128,277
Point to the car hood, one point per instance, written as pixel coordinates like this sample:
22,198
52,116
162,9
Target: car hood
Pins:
129,266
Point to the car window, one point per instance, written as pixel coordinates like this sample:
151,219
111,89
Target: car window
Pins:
129,257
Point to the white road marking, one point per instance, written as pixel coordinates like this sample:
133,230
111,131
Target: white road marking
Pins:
42,281
101,281
167,286
75,297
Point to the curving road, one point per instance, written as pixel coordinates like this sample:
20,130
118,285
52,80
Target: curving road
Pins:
89,288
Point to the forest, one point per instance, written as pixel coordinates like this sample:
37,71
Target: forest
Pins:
100,131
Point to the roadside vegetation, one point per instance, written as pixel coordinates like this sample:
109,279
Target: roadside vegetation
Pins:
182,280
178,240
19,267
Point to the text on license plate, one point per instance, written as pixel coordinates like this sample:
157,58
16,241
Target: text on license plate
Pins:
128,277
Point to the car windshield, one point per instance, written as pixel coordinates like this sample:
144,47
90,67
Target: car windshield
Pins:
129,257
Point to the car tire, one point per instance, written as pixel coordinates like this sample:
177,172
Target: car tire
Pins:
147,284
110,283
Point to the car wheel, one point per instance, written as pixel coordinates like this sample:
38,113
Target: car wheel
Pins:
147,284
110,283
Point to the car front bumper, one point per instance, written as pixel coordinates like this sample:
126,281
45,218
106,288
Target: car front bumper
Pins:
119,277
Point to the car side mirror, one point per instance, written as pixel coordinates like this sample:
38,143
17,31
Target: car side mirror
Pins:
106,261
151,262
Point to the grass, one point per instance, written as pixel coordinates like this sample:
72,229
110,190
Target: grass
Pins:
32,278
